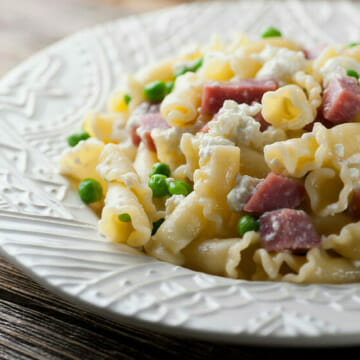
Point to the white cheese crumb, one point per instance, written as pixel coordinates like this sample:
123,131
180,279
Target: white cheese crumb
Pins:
279,63
207,143
236,122
240,194
337,67
339,150
269,236
275,225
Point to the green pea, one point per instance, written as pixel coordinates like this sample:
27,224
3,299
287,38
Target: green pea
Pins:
155,91
156,226
196,65
127,99
125,217
160,168
158,185
179,187
192,67
74,139
90,190
352,73
169,86
271,32
180,70
353,44
247,223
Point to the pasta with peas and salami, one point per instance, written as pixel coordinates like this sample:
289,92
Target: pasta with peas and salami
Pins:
237,159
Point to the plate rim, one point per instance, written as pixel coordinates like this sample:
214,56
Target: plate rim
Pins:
335,339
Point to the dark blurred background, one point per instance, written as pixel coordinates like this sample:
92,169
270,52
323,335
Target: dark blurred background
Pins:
27,26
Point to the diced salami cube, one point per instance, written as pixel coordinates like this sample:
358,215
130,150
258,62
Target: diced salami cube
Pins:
134,121
153,121
314,52
341,101
354,207
288,229
242,91
263,124
275,192
135,138
149,122
319,118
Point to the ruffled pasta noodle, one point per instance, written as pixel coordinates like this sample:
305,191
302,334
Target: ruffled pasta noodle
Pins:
180,108
219,160
202,214
312,87
225,257
81,161
107,127
321,267
271,265
331,161
161,70
287,108
190,147
296,157
216,67
120,200
115,166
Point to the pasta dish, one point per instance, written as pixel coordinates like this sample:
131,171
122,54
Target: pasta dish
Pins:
239,159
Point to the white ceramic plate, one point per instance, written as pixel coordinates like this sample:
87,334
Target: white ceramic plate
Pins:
51,235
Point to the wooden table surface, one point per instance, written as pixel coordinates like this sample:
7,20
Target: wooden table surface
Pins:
35,324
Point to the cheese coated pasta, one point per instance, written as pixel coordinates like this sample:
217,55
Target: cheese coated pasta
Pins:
239,159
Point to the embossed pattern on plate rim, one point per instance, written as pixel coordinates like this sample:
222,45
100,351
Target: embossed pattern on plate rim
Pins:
168,298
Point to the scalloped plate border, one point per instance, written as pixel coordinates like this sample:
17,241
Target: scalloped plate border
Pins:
47,232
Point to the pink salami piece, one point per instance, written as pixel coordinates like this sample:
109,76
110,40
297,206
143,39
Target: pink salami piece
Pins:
143,109
341,101
149,122
354,207
242,91
288,229
275,192
263,124
135,138
314,52
319,118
